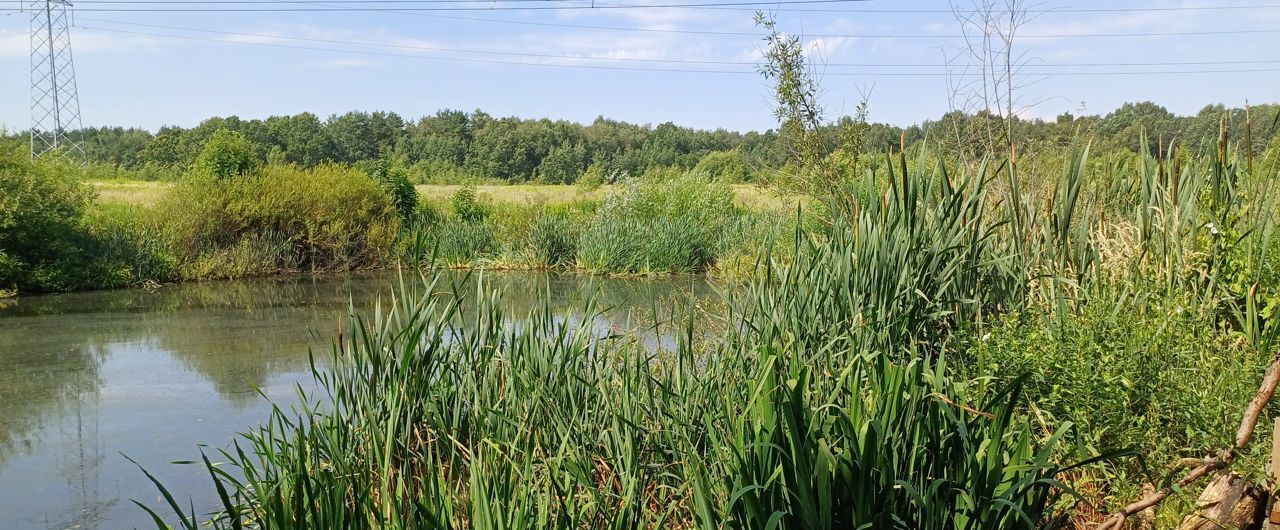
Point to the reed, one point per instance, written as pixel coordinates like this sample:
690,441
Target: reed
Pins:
784,411
822,392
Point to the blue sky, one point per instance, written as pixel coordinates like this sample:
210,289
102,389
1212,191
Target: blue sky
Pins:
139,74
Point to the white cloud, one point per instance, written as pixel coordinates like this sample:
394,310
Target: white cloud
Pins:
656,18
652,46
352,62
18,43
410,43
824,48
253,39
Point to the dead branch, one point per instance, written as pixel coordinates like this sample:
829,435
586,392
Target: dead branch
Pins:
1214,462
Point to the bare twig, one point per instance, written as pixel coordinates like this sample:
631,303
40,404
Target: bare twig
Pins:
1214,462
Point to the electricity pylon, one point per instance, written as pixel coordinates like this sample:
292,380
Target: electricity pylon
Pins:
55,104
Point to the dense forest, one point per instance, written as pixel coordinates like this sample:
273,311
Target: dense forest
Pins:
452,145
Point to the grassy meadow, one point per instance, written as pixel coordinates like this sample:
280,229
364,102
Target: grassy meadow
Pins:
147,193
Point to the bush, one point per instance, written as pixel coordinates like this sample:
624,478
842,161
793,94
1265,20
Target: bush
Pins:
41,201
42,243
1157,377
466,204
658,225
592,178
279,219
52,237
130,250
227,154
392,176
724,166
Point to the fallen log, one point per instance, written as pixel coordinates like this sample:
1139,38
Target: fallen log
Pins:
1229,502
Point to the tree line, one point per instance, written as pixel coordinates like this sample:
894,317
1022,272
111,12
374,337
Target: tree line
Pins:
454,145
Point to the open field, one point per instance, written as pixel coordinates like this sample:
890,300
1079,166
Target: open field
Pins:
747,195
145,193
134,192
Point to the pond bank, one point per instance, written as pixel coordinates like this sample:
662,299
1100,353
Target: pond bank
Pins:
151,374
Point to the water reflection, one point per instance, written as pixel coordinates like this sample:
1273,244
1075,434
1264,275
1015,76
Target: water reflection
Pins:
85,377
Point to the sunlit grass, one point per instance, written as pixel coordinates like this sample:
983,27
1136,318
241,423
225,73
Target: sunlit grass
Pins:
133,192
147,193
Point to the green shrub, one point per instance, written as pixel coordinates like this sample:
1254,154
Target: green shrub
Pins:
592,178
431,171
672,224
1156,376
47,243
10,269
724,166
227,154
326,218
130,248
466,204
392,176
41,201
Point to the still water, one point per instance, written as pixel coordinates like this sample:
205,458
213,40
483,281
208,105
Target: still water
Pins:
88,378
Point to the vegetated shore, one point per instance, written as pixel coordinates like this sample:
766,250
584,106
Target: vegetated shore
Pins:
940,348
941,337
230,222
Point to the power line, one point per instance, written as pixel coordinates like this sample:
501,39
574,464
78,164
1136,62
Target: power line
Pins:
647,60
315,7
743,33
1064,10
675,70
924,36
411,56
339,7
457,8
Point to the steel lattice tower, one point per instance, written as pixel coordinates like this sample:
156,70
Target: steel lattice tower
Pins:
55,104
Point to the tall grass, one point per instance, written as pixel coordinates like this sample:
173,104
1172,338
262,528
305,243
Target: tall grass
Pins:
825,394
432,422
1152,308
806,404
684,223
649,226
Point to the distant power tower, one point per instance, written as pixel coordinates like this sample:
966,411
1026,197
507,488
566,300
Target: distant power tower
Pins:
55,104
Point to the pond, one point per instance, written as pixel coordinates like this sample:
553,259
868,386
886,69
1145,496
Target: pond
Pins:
87,379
